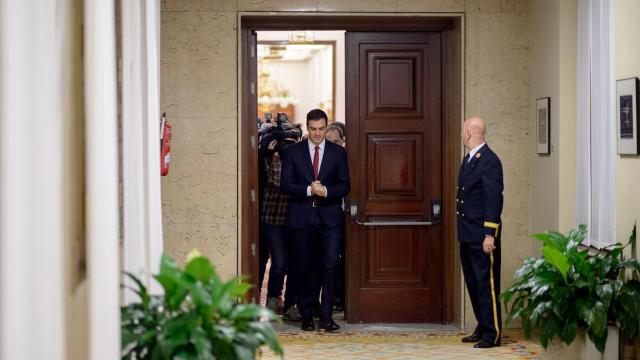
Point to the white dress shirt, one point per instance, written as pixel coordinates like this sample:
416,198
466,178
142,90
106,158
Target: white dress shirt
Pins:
475,150
312,152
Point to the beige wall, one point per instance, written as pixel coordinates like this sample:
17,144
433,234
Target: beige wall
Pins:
199,93
553,61
199,85
627,53
544,71
497,88
553,74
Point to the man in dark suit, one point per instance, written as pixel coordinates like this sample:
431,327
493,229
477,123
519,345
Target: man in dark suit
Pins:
479,205
315,174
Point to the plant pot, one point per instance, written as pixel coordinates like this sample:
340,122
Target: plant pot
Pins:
583,349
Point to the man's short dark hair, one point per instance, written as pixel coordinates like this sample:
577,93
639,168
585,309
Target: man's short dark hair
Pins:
317,114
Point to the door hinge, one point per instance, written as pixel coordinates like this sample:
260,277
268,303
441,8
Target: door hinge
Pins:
252,195
253,299
252,141
253,249
253,88
253,52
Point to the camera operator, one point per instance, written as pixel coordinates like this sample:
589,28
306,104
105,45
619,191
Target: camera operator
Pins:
274,211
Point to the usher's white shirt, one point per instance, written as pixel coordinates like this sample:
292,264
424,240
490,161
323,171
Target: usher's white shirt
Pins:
475,150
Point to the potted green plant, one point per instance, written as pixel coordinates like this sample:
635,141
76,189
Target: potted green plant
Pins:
569,290
199,317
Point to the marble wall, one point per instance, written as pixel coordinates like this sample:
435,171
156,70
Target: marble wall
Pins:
497,88
199,94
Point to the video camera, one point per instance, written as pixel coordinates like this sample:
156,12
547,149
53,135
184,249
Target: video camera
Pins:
283,132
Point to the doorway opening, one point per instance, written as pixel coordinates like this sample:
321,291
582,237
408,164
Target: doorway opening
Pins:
296,71
403,111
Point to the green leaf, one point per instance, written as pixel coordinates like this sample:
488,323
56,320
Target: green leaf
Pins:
631,264
170,343
269,336
142,290
185,354
552,240
557,259
605,293
127,337
526,325
169,277
584,310
183,323
599,323
202,344
599,340
540,310
174,293
582,268
576,236
568,332
199,293
244,352
238,288
549,328
200,268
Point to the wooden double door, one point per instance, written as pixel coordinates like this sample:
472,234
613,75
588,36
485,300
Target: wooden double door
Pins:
394,237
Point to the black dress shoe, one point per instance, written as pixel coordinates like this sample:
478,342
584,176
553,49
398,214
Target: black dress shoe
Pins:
485,344
475,337
307,324
328,325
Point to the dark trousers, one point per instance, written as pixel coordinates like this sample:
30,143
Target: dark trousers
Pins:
339,297
482,277
278,240
326,240
316,275
263,252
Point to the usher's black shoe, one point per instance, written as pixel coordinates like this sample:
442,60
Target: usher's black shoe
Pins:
485,344
475,337
328,325
307,324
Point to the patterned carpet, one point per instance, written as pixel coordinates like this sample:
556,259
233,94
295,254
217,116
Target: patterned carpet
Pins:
398,345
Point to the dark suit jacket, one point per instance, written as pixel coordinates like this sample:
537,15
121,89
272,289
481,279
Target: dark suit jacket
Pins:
297,174
479,200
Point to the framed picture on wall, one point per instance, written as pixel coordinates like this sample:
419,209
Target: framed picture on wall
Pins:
543,125
627,116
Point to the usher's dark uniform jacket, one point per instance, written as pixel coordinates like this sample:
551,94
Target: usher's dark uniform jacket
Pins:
478,207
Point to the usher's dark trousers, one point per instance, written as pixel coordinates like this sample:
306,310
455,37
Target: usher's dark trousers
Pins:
482,277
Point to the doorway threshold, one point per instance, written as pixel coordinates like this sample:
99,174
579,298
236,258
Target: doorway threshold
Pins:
294,326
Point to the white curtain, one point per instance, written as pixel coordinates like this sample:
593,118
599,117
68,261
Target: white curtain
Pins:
141,141
32,173
595,168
